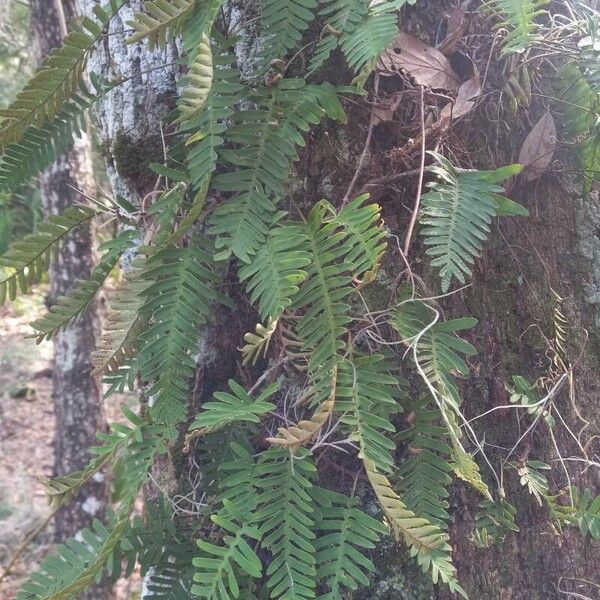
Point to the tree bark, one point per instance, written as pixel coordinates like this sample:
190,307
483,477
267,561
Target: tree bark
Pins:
78,404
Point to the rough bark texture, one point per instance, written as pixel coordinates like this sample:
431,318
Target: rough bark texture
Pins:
77,396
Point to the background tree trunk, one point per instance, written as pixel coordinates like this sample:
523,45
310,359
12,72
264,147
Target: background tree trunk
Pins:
78,403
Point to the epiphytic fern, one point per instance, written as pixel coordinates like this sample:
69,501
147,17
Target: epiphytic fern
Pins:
304,431
122,326
216,576
236,407
176,303
525,393
206,129
587,512
285,522
519,18
57,79
531,476
493,521
257,343
161,22
346,533
283,23
68,308
456,214
26,260
275,272
426,472
367,393
266,138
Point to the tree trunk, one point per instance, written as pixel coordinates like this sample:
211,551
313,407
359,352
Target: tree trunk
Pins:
78,404
556,249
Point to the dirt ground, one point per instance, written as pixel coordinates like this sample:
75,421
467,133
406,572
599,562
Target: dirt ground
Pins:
26,442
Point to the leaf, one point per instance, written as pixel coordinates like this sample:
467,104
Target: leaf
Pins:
465,99
258,343
426,65
538,148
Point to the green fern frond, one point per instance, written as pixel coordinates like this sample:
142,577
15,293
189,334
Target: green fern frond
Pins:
345,533
276,270
26,260
519,17
283,23
216,576
266,138
68,308
236,407
456,214
492,522
161,22
531,477
284,518
122,326
59,77
177,302
587,513
368,394
425,475
206,129
198,82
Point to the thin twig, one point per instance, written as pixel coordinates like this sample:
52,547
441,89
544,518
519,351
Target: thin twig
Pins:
415,214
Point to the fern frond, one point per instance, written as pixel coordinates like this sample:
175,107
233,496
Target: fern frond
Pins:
426,542
266,139
26,260
587,513
276,270
302,432
257,343
285,522
456,214
519,17
236,407
368,394
57,79
177,302
161,22
216,576
198,82
68,308
425,475
206,129
345,533
492,522
283,24
533,479
122,326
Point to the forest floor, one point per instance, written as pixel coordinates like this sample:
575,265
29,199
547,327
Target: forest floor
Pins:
26,442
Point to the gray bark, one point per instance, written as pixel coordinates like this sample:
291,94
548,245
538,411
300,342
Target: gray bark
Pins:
77,396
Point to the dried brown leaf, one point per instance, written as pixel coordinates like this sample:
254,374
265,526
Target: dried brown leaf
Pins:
465,99
538,148
426,65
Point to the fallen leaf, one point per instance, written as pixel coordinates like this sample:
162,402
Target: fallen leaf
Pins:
538,148
465,99
426,65
384,111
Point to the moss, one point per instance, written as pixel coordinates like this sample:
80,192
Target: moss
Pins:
131,157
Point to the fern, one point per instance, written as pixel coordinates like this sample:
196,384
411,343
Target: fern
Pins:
519,17
425,474
285,522
26,260
198,82
266,139
57,79
345,533
283,23
492,522
68,308
275,272
456,214
176,303
237,407
587,513
258,343
216,577
161,23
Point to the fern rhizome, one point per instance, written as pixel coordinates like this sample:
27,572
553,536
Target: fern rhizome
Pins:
327,375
